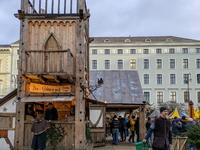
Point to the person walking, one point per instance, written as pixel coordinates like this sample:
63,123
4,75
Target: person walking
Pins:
137,128
190,123
115,125
162,131
132,129
148,124
107,126
126,128
122,131
39,127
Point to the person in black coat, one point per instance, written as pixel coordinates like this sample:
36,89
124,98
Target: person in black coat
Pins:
122,130
137,128
51,113
184,123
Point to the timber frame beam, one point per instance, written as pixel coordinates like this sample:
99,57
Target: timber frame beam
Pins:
42,79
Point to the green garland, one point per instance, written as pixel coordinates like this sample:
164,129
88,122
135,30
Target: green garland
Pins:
55,134
88,133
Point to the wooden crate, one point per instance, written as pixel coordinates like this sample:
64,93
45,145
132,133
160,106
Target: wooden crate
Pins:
179,143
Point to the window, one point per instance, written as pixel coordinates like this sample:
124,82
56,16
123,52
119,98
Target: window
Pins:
107,51
185,78
107,64
185,63
146,96
198,63
159,97
148,40
127,40
173,96
94,51
18,52
17,64
158,51
146,78
106,40
16,79
146,64
198,97
133,51
172,51
159,63
186,97
185,50
133,63
120,64
197,50
120,51
159,78
172,63
198,78
145,51
94,64
172,79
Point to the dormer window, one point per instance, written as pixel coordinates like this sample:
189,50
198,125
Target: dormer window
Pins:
148,40
106,41
127,40
169,40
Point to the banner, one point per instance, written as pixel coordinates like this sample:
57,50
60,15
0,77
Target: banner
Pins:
40,88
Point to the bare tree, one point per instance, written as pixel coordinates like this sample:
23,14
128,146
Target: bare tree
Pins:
171,105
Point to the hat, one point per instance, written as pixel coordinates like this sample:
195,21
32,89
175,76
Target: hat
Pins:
177,120
183,117
162,109
190,119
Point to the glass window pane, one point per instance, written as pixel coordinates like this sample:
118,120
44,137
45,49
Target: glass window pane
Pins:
133,64
159,78
198,63
120,51
120,64
146,96
146,78
133,51
107,64
145,51
159,64
146,64
107,51
94,64
94,51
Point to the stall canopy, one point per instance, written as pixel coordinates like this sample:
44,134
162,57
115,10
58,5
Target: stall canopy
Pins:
153,114
120,87
47,98
176,113
197,113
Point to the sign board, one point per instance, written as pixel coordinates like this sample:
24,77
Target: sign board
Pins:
3,134
40,88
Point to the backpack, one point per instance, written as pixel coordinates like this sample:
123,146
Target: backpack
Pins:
128,125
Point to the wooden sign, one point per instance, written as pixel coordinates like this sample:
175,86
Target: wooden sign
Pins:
40,88
3,134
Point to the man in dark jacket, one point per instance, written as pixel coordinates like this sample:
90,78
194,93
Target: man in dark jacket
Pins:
177,127
123,126
162,131
115,125
51,113
184,123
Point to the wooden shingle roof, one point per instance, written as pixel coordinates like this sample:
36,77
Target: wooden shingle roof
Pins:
120,87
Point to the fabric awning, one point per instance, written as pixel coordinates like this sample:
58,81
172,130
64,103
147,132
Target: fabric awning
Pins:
47,98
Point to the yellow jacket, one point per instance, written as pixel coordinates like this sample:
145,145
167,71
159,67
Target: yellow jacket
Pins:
132,123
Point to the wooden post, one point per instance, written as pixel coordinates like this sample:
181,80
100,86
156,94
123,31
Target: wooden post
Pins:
142,129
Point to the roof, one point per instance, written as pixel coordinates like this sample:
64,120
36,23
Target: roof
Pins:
120,87
153,114
176,113
142,39
4,45
8,97
17,42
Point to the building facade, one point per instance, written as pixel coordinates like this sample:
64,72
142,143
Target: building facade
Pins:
165,64
14,65
5,69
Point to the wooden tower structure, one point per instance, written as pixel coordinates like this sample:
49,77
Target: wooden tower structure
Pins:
53,64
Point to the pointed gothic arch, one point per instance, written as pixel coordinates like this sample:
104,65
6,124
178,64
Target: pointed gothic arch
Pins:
52,43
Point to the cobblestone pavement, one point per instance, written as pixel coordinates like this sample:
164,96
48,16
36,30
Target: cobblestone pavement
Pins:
121,146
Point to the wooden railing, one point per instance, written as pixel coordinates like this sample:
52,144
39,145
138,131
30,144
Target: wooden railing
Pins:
67,143
49,61
52,6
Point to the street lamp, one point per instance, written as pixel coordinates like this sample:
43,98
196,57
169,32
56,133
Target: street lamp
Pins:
188,83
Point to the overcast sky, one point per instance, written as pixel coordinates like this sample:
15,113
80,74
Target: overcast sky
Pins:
122,18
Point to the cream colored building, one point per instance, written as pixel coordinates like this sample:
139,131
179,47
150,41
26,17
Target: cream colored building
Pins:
14,65
163,64
5,69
